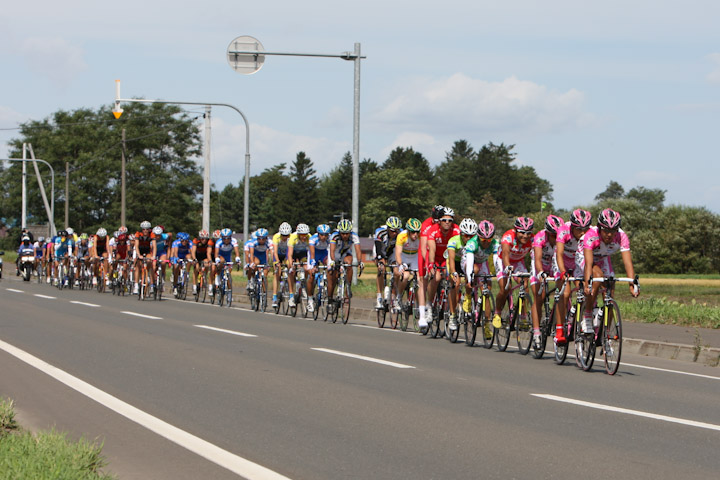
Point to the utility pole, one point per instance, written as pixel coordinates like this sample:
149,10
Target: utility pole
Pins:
23,217
206,174
122,181
67,195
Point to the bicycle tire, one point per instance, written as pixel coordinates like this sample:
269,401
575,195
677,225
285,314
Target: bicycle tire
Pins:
263,295
502,334
523,325
436,311
547,322
612,339
345,309
585,350
486,328
394,312
415,309
381,313
405,309
561,349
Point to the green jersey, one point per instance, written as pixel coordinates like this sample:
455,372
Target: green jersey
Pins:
481,254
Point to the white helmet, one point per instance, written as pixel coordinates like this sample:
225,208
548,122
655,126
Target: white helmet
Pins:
145,224
302,229
69,231
285,228
468,226
101,232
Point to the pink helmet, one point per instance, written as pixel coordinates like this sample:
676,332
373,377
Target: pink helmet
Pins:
553,223
581,218
524,224
486,229
609,219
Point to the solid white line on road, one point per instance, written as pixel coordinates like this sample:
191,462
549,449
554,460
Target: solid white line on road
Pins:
213,453
13,290
669,371
638,413
83,303
141,315
231,332
361,357
45,296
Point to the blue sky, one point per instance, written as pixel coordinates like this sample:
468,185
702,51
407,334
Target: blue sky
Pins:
616,90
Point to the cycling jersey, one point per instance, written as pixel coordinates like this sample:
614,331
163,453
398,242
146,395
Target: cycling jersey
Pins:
601,250
225,250
144,243
343,248
203,249
100,245
182,250
63,248
409,246
441,240
161,247
121,247
281,245
39,249
542,240
476,254
299,246
517,251
83,250
321,248
422,256
384,243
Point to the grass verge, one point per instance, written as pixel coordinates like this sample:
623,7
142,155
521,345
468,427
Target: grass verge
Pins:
46,455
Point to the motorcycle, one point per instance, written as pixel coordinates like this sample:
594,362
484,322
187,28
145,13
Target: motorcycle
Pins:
27,264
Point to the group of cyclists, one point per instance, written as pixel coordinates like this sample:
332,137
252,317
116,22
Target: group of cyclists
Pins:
432,249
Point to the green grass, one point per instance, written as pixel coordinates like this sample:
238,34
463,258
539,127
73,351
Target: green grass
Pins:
46,455
655,309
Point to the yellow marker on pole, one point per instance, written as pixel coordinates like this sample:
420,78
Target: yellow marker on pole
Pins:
117,111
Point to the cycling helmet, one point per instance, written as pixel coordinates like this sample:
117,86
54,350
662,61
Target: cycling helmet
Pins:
413,225
285,228
116,234
41,239
302,229
183,236
25,238
157,230
323,229
468,226
70,231
145,225
581,218
260,232
84,236
62,233
345,226
486,229
553,223
122,230
609,219
203,234
216,234
131,237
448,212
524,224
393,223
437,212
226,232
101,232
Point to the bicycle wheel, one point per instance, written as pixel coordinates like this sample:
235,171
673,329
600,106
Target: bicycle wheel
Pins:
523,325
612,339
561,349
585,350
437,312
303,301
546,324
503,333
345,308
184,285
263,295
381,313
220,293
485,320
394,312
471,324
405,311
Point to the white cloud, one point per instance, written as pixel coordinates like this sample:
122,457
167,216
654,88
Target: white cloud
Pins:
714,76
462,104
54,58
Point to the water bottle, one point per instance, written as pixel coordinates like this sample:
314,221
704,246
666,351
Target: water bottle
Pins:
572,311
387,293
595,317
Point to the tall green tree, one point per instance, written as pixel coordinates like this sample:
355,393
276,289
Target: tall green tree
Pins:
163,182
304,190
613,191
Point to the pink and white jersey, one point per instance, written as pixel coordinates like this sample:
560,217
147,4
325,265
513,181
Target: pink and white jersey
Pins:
548,251
517,251
592,241
566,237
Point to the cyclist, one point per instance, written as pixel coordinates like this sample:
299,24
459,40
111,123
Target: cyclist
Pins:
384,249
319,244
223,254
48,258
259,252
280,249
202,252
163,243
342,242
181,250
438,238
478,251
423,260
514,247
593,258
407,246
83,251
298,247
145,248
455,264
567,245
246,251
64,248
118,246
39,255
543,264
101,251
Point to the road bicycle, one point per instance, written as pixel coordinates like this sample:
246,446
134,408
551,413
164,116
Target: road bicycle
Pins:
463,317
258,290
300,296
343,294
223,287
182,280
283,294
607,328
144,278
202,283
388,299
572,316
67,272
440,308
483,306
101,274
119,282
321,296
516,315
408,304
84,277
547,319
159,279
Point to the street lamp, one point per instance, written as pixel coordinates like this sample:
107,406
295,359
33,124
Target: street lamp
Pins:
117,111
51,216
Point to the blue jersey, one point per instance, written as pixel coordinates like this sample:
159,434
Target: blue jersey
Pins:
182,250
63,248
161,245
225,250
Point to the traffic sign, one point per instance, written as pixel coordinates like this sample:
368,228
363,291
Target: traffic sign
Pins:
246,63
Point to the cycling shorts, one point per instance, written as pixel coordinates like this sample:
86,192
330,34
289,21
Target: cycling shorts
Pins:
411,260
261,257
518,267
552,270
604,263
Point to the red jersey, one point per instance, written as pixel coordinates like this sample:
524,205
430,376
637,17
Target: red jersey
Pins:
426,226
203,250
517,251
121,247
441,240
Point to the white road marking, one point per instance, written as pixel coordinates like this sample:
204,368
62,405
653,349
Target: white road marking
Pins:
45,296
83,303
231,332
669,371
205,449
141,315
13,290
361,357
638,413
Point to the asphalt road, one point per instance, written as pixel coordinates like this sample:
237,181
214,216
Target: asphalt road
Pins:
286,399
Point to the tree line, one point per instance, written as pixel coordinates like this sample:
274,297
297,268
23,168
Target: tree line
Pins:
164,184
